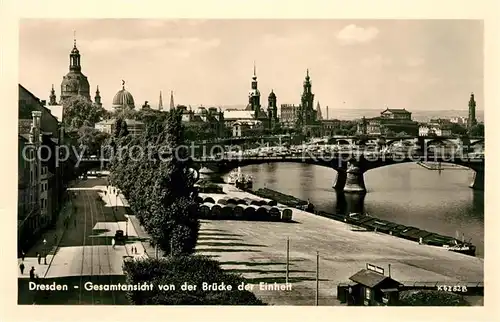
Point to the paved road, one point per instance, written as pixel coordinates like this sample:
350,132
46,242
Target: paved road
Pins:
85,252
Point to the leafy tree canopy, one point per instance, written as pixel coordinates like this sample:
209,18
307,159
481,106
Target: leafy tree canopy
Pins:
91,139
193,270
431,298
79,111
477,130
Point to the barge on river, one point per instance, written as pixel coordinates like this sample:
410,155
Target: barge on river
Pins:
375,224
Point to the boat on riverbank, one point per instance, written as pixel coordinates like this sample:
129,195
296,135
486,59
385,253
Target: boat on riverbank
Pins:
375,224
240,180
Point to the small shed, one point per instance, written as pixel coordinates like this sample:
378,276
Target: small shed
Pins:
373,288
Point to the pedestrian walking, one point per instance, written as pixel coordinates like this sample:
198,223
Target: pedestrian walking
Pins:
135,248
32,273
39,258
21,267
113,242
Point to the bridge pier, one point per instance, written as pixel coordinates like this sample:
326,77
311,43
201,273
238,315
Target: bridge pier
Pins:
478,181
340,180
355,182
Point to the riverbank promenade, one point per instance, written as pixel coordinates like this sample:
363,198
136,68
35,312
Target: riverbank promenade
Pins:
258,251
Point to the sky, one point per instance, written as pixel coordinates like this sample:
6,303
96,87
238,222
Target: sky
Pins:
353,64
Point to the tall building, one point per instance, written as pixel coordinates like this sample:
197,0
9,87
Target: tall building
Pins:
272,109
97,98
75,82
307,115
254,96
40,175
52,97
471,121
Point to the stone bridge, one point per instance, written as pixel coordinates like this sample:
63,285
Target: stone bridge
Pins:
349,166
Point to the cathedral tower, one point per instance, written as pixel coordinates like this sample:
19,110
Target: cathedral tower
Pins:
74,82
254,95
272,109
97,98
471,121
52,97
307,114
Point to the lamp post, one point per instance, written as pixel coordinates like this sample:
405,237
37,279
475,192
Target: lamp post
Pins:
45,251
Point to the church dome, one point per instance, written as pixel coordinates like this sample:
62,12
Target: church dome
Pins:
272,95
75,83
123,98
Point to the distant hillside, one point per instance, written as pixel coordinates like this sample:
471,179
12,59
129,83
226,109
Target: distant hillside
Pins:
351,114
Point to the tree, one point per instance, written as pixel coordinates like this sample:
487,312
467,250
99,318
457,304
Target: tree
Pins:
477,130
158,183
457,129
79,111
91,139
431,298
193,270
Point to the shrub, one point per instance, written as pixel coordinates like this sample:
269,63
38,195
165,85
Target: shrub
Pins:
194,270
431,298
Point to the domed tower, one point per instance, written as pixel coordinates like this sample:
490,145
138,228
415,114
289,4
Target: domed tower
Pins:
254,95
75,83
123,99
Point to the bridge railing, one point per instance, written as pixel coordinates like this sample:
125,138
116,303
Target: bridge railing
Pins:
324,156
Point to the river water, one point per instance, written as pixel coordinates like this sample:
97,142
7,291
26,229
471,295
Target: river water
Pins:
437,201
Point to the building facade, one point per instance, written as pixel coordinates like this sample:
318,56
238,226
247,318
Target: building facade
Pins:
204,123
390,122
288,115
40,177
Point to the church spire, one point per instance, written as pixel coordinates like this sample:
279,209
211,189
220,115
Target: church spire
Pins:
97,98
160,103
52,97
74,57
172,106
319,116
